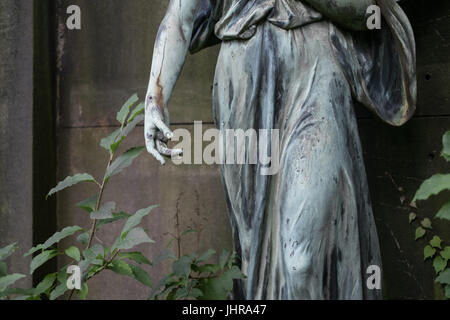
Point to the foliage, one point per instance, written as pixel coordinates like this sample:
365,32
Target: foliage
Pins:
93,258
434,249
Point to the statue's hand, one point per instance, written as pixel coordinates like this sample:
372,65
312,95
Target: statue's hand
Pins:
157,133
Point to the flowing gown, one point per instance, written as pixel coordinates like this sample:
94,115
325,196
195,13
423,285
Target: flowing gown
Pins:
307,232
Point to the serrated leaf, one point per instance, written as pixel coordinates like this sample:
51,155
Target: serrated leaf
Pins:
115,217
120,267
420,232
109,141
83,293
205,256
182,267
141,275
88,204
45,284
426,223
444,277
58,291
132,238
123,161
42,258
436,242
125,110
135,256
140,108
439,264
412,217
10,279
433,186
428,252
136,218
444,212
5,252
104,212
71,181
57,237
74,253
446,253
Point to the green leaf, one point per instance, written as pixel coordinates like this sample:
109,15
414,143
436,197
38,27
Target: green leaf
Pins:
94,255
136,112
8,280
132,238
446,253
182,267
3,269
439,264
142,276
446,146
135,256
186,232
206,268
104,212
82,294
57,237
208,254
126,131
447,291
444,277
83,238
123,161
45,284
426,223
121,267
224,258
116,217
436,242
412,217
444,212
58,291
136,218
125,110
5,252
219,288
110,141
71,181
433,186
420,232
88,204
74,253
428,252
42,258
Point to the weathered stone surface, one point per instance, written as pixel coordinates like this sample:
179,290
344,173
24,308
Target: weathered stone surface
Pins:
16,119
193,192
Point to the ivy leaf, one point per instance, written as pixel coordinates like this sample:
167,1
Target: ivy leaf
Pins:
125,110
136,218
420,232
45,284
444,212
135,256
444,277
436,242
104,212
58,291
426,223
42,258
88,205
5,252
428,252
8,280
57,237
82,294
120,267
141,275
71,181
446,146
439,264
132,238
123,161
433,186
412,217
446,253
74,253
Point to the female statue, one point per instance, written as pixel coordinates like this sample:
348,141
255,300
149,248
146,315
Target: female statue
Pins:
297,66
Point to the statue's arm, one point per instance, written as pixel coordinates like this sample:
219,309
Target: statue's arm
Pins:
170,50
348,13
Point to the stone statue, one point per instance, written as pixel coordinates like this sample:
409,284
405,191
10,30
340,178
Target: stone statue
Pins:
297,66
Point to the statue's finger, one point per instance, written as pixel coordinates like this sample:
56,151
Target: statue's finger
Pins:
150,145
163,128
